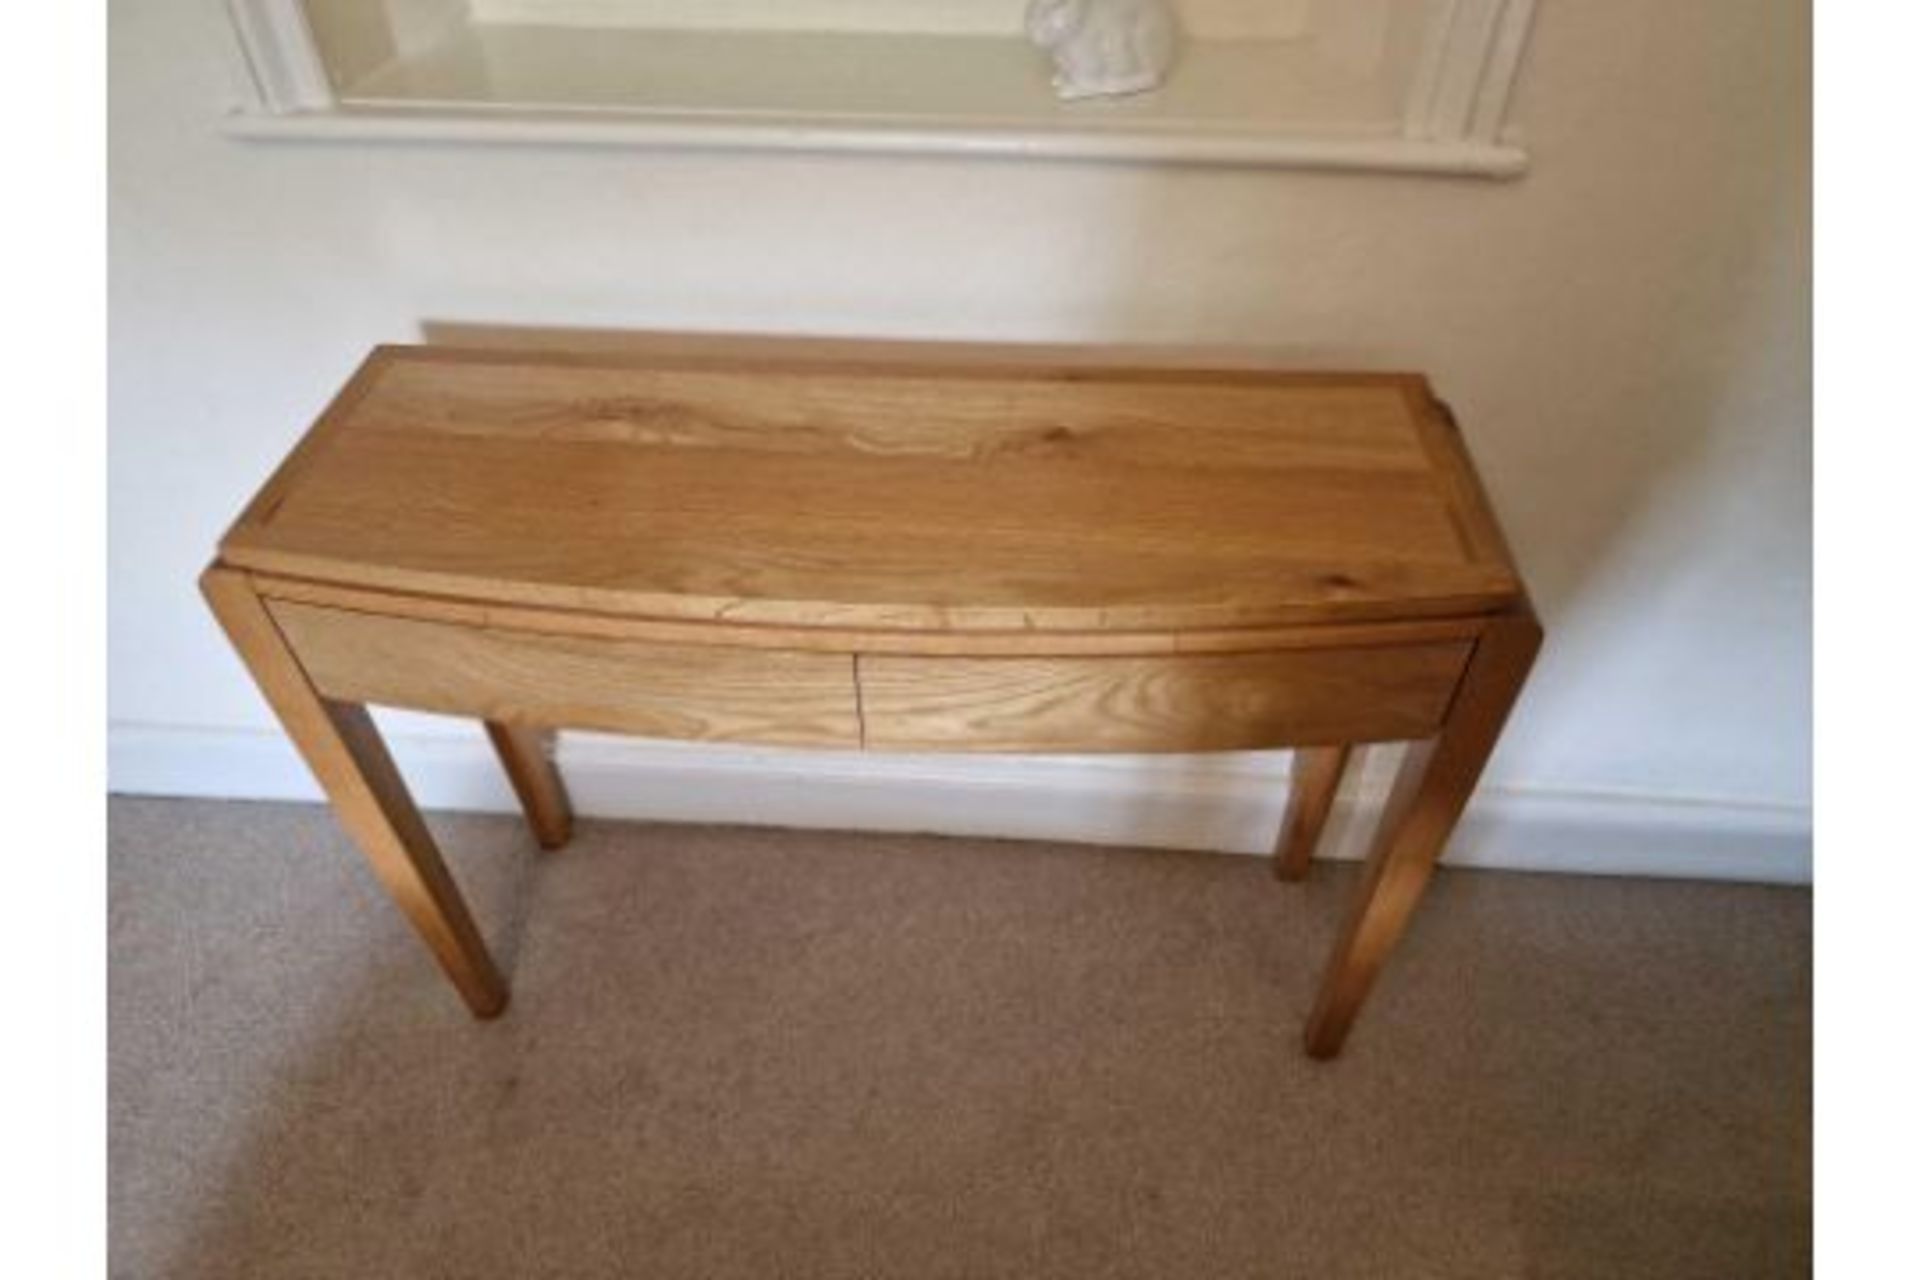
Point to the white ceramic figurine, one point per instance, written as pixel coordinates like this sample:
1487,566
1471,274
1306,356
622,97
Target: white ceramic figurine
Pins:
1104,47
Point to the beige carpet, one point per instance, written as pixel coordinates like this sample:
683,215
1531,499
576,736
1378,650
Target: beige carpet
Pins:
753,1053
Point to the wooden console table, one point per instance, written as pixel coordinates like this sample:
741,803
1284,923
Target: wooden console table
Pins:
882,547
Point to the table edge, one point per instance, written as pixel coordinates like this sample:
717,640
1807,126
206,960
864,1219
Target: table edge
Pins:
1402,628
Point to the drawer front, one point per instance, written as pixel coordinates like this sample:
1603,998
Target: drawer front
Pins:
576,682
1216,702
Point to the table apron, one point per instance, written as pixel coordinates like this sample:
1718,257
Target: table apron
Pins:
1144,703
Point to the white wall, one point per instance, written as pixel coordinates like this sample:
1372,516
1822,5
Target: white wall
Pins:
1624,333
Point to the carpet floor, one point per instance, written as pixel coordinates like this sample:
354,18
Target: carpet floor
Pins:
761,1053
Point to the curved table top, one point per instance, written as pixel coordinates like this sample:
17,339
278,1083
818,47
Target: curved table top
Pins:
902,493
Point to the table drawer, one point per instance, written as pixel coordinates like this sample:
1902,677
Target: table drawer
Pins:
576,682
1212,702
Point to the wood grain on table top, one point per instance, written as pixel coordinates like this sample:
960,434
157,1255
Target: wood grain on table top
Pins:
884,495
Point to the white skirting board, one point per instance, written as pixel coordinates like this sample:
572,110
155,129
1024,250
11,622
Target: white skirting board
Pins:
1229,802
